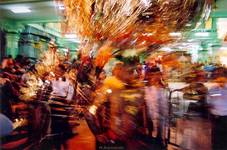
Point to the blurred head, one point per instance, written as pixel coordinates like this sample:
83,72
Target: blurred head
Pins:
102,75
7,63
154,79
150,63
60,70
117,69
221,81
219,72
19,59
72,74
125,72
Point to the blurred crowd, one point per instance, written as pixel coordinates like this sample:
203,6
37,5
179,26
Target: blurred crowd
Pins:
12,71
129,107
29,101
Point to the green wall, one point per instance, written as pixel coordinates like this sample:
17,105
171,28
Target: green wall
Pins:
30,40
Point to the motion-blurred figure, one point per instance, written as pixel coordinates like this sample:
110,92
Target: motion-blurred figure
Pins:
116,118
6,125
217,99
157,105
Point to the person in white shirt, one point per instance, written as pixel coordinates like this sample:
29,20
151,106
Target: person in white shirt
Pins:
63,88
157,105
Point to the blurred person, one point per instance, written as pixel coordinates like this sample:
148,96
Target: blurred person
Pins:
19,58
10,86
196,91
118,111
10,60
22,64
71,75
9,91
101,77
84,69
4,62
6,126
8,64
9,69
140,71
157,105
151,67
62,85
5,100
63,88
70,79
158,63
219,71
217,100
62,92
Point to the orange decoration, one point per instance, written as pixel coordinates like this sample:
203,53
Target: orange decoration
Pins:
104,54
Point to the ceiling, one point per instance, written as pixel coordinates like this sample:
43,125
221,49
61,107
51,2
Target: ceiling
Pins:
41,11
45,16
47,11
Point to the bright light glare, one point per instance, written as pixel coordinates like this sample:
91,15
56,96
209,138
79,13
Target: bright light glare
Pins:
188,25
167,49
175,34
203,34
74,40
70,36
223,48
216,95
61,7
147,34
146,2
109,91
20,9
92,109
221,27
223,60
66,50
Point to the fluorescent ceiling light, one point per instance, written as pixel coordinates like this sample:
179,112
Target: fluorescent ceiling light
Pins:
203,34
223,48
20,9
175,34
65,50
190,40
61,7
70,36
188,25
185,44
74,40
168,49
147,34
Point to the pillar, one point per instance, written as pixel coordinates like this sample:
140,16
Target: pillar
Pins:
12,39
